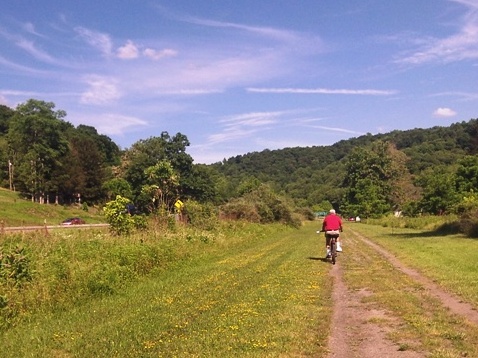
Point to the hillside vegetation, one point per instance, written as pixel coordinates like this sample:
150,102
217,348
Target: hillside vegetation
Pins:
415,172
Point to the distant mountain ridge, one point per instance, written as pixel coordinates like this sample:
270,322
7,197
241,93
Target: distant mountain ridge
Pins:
301,172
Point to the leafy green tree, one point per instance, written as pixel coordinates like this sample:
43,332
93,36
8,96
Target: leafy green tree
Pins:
110,152
439,191
117,186
367,183
36,143
467,174
6,114
203,184
162,186
147,153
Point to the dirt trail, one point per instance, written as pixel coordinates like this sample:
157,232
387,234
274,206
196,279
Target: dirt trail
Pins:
355,332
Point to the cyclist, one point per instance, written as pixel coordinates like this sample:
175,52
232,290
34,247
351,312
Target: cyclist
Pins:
332,226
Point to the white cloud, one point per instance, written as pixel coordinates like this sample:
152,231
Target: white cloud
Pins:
98,40
444,112
30,28
157,55
460,46
369,92
337,129
35,52
110,124
128,51
102,90
253,119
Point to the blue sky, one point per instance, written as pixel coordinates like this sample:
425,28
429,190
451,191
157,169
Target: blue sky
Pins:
239,76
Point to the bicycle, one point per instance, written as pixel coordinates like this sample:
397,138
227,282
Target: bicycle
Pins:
331,240
333,248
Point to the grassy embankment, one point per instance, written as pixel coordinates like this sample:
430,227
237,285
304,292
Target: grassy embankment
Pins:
15,211
243,290
246,290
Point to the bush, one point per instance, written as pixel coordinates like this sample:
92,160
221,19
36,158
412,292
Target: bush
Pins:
469,223
201,216
121,222
263,206
14,266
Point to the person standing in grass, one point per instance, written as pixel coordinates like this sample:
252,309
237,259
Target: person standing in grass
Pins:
332,225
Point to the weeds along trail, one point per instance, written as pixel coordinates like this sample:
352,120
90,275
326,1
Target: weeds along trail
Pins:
388,312
262,297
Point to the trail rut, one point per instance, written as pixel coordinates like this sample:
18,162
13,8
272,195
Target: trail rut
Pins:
360,330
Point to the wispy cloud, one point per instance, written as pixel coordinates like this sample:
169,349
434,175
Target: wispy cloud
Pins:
111,123
102,90
21,68
368,92
252,119
463,96
269,32
462,45
30,28
244,125
131,51
39,54
98,40
337,129
159,54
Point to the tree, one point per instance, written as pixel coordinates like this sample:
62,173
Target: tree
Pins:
162,187
204,184
147,153
367,182
36,143
117,186
467,174
439,190
6,114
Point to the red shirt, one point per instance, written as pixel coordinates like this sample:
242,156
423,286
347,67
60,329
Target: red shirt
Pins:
332,222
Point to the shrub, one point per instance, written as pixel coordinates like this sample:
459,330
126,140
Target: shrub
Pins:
121,222
14,266
469,223
201,216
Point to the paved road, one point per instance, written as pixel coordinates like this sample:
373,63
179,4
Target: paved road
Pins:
50,227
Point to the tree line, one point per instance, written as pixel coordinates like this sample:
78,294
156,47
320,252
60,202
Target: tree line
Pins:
419,171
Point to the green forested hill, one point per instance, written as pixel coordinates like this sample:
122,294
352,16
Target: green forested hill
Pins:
313,174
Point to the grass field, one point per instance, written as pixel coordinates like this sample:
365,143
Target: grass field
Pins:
242,290
450,260
261,293
16,211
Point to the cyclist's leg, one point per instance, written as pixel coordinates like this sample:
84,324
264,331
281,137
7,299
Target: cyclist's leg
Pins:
327,245
339,244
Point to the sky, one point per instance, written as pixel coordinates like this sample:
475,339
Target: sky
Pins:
242,76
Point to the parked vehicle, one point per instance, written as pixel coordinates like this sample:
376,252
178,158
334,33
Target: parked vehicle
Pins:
73,221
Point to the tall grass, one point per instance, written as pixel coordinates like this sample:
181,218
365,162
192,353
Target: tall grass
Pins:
425,222
244,290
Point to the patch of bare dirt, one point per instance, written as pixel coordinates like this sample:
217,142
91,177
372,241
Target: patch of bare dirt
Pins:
359,330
